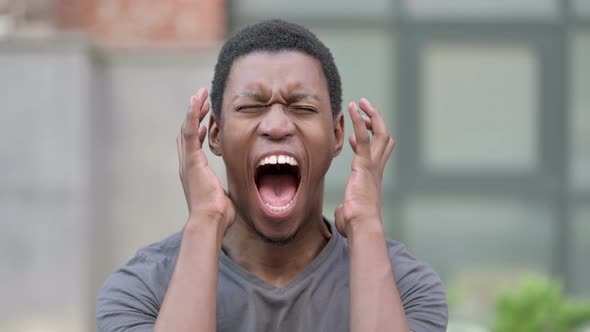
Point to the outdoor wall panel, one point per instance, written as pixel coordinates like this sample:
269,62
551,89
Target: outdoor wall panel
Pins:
580,247
580,111
487,9
581,8
150,97
307,8
366,69
45,189
480,111
459,235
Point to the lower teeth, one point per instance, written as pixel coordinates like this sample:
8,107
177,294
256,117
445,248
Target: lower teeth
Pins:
278,208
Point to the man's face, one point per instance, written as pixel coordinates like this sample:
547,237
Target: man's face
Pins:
277,137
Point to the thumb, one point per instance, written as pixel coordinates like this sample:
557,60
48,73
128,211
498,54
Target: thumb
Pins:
230,216
339,220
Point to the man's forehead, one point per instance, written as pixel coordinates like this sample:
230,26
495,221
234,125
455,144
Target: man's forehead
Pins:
272,61
293,70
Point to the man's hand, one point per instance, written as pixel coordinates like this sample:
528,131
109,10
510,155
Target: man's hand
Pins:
185,306
375,303
362,197
205,196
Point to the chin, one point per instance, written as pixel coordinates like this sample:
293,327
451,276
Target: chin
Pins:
278,232
277,240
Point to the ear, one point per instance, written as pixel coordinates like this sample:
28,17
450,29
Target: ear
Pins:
214,136
338,133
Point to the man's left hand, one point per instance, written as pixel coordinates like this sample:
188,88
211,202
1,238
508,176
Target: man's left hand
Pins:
362,197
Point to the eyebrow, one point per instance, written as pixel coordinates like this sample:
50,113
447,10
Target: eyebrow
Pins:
302,96
251,95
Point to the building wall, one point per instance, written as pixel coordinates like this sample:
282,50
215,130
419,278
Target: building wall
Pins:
89,170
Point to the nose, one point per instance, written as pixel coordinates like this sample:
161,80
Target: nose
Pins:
276,123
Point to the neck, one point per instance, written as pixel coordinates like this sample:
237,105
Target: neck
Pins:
276,265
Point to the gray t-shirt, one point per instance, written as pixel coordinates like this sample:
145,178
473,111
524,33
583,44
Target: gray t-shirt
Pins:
316,300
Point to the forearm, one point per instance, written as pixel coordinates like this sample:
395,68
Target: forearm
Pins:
375,304
190,301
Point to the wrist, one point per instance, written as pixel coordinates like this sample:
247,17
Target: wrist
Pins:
370,228
203,224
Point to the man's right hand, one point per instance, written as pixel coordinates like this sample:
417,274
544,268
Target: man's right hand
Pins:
185,306
205,196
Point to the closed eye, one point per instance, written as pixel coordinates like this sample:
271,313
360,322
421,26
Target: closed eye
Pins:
303,109
251,108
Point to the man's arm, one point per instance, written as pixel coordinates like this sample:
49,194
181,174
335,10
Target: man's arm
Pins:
190,301
375,301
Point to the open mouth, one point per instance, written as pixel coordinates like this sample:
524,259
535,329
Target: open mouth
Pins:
277,179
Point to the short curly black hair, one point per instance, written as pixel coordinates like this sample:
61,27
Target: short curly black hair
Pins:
274,36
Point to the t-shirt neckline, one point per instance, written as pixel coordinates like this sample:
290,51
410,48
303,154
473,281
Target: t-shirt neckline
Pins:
315,263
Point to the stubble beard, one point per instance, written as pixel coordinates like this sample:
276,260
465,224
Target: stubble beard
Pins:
278,241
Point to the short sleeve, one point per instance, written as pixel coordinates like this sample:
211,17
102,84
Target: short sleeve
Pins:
421,290
130,299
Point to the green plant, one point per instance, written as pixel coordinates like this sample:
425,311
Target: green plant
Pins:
538,305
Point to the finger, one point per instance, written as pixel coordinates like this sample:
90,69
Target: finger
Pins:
361,133
380,133
204,110
199,106
202,133
352,139
352,142
339,220
190,126
180,152
387,153
200,99
230,216
368,123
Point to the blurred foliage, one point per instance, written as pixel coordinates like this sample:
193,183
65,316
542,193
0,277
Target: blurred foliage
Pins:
454,296
538,305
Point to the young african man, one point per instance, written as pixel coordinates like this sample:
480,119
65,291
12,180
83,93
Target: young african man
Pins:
261,256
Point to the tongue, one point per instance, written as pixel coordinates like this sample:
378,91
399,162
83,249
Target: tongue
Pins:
277,189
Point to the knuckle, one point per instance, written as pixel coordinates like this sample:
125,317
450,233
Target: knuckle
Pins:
186,133
383,135
390,141
348,212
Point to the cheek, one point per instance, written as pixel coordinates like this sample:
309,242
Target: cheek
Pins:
235,137
235,147
322,146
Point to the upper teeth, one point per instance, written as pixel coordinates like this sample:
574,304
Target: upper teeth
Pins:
278,159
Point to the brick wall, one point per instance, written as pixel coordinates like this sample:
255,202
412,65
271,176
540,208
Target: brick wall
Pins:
137,23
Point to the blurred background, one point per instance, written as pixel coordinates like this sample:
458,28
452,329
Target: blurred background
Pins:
488,100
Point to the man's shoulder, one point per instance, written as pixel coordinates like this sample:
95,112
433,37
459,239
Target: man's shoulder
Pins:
163,250
150,266
140,284
149,263
420,288
405,263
